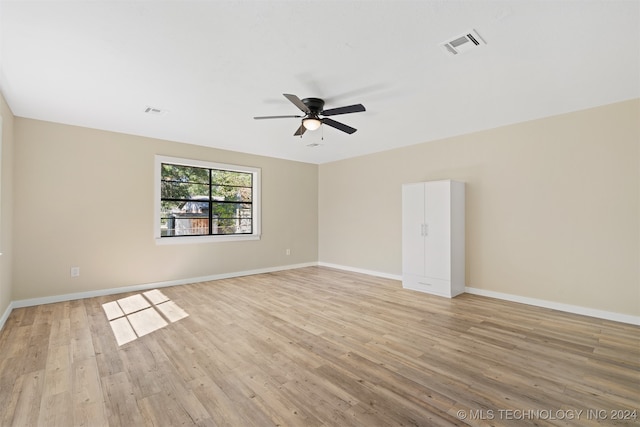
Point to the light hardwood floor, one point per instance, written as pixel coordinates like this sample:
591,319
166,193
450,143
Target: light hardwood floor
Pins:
319,347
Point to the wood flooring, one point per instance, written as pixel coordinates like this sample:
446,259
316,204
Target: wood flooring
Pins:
319,347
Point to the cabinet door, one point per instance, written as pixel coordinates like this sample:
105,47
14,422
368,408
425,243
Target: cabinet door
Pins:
413,241
438,230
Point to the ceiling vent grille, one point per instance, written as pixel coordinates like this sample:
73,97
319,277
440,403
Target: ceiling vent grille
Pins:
463,43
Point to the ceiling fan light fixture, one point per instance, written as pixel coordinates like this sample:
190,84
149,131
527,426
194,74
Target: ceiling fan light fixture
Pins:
311,123
313,109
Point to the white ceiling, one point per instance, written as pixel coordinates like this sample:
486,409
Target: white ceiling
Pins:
213,65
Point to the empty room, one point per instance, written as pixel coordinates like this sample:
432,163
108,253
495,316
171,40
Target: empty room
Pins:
319,213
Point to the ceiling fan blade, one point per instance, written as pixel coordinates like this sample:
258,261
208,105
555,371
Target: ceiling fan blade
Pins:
276,117
344,110
301,130
297,102
339,126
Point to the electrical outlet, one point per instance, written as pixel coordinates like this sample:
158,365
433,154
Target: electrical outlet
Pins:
288,252
75,271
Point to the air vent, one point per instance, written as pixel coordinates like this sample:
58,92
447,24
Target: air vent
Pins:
154,111
463,43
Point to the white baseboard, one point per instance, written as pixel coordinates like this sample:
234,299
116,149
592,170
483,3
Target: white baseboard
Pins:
360,270
5,315
146,286
617,317
575,309
585,311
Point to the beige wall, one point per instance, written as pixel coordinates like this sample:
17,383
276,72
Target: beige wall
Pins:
552,207
6,206
84,198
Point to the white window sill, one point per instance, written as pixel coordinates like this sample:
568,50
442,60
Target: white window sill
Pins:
203,239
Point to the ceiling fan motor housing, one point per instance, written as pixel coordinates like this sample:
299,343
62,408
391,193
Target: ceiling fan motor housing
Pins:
316,105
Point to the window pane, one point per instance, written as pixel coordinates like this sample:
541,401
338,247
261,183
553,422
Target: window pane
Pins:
232,194
184,173
184,218
238,179
167,208
232,218
190,225
245,226
184,190
184,225
231,226
231,210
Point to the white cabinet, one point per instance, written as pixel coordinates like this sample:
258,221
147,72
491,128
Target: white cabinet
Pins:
433,237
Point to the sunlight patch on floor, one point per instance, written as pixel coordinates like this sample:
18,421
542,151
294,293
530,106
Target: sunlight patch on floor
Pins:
171,311
138,315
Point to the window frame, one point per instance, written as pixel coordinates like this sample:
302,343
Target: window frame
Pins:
255,202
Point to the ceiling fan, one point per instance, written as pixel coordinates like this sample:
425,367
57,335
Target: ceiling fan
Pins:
314,115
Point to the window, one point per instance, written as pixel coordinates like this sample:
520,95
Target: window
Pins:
203,201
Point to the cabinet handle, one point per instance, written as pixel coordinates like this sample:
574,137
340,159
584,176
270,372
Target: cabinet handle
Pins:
426,229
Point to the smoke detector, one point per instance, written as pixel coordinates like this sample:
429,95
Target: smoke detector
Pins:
463,43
